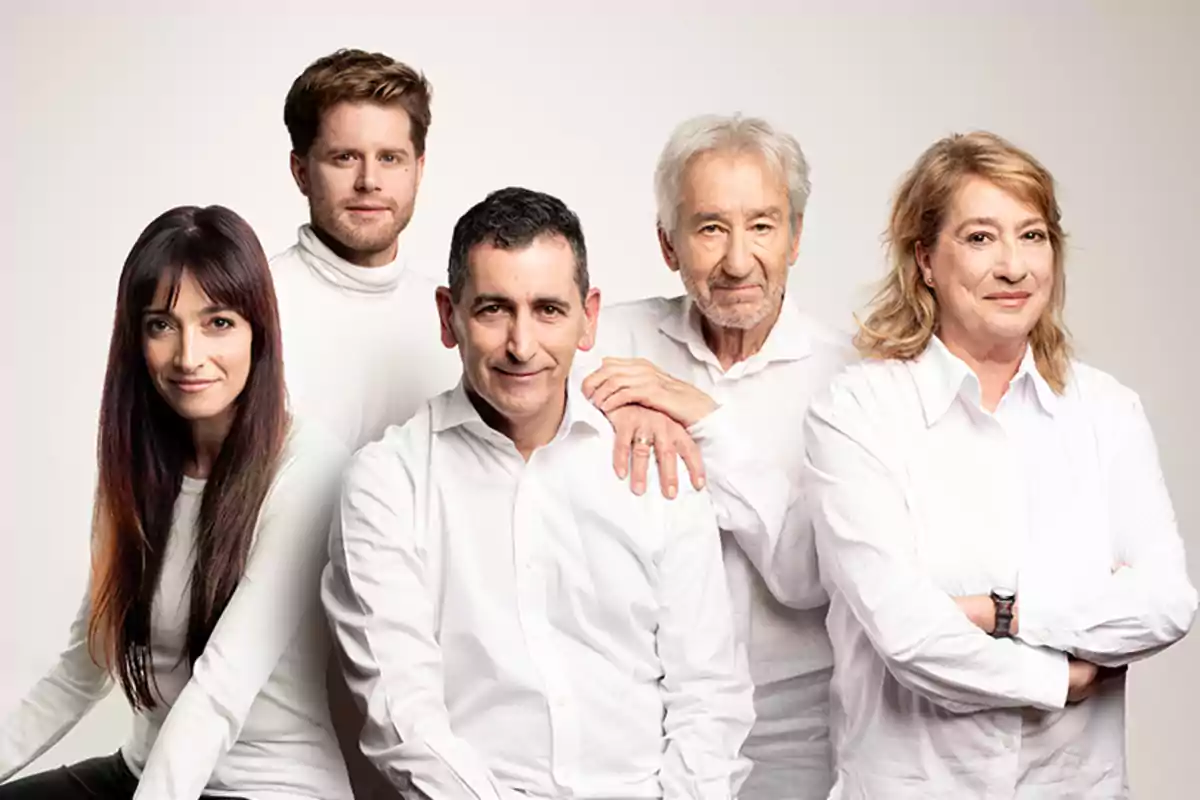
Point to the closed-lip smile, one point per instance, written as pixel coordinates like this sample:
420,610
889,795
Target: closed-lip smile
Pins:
193,384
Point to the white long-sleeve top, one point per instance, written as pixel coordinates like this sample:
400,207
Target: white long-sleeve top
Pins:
251,718
533,629
921,496
361,345
753,451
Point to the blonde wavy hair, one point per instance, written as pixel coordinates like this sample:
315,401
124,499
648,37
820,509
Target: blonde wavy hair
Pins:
902,317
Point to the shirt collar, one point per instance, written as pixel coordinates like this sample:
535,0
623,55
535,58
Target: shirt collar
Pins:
788,340
941,377
454,409
332,268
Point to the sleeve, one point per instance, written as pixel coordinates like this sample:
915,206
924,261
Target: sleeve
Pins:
382,616
56,703
279,592
757,505
1149,602
866,545
708,696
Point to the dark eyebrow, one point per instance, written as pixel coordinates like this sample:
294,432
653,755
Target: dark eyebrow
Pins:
166,312
490,299
550,300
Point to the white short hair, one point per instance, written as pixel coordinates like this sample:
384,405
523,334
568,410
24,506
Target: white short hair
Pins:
712,132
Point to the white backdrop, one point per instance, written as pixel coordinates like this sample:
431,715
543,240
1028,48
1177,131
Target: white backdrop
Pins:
110,117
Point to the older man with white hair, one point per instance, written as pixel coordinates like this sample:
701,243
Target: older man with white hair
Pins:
735,362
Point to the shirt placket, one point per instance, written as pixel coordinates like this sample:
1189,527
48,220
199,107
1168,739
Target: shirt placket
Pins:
530,532
1014,533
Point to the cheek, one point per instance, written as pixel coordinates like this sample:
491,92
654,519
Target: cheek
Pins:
1042,267
329,184
479,340
698,263
964,270
774,256
238,357
158,356
400,183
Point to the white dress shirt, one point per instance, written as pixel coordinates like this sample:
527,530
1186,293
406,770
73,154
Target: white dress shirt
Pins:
250,719
921,496
361,345
753,450
533,629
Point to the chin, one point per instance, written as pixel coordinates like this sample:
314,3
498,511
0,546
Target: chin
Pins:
198,412
521,405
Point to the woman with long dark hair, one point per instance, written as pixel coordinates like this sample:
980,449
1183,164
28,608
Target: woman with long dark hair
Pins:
211,515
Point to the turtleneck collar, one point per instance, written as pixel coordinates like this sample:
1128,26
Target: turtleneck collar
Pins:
335,270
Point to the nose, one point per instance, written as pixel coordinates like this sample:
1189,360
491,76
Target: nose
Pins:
739,261
368,177
1010,264
522,340
189,351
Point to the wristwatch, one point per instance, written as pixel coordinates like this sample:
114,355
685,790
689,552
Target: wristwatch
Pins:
1003,600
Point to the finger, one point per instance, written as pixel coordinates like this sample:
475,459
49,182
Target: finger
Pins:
641,462
610,361
609,371
604,391
611,384
668,470
623,433
625,396
689,451
592,381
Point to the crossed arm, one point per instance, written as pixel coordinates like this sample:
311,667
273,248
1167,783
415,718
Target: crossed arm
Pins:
938,646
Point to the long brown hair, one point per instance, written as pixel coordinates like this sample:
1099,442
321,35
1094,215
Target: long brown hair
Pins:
903,314
143,444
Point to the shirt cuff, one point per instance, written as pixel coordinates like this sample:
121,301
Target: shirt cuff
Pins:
716,436
1044,676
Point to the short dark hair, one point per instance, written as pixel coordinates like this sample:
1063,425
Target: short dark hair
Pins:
355,76
511,219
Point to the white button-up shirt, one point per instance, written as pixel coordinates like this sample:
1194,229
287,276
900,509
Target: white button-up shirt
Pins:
533,629
753,449
919,496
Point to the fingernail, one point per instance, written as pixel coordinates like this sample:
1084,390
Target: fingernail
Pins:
638,488
621,473
671,492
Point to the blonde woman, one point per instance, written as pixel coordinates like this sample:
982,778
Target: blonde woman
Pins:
991,518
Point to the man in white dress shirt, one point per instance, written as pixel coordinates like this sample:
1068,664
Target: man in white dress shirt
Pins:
514,620
737,363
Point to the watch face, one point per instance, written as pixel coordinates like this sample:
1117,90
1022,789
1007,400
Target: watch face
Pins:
1004,594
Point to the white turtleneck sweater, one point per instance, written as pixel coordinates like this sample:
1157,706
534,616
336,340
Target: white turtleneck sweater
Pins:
361,345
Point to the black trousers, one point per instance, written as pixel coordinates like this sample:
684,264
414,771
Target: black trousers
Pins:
103,778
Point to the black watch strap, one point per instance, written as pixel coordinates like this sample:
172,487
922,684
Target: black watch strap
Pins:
1003,600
